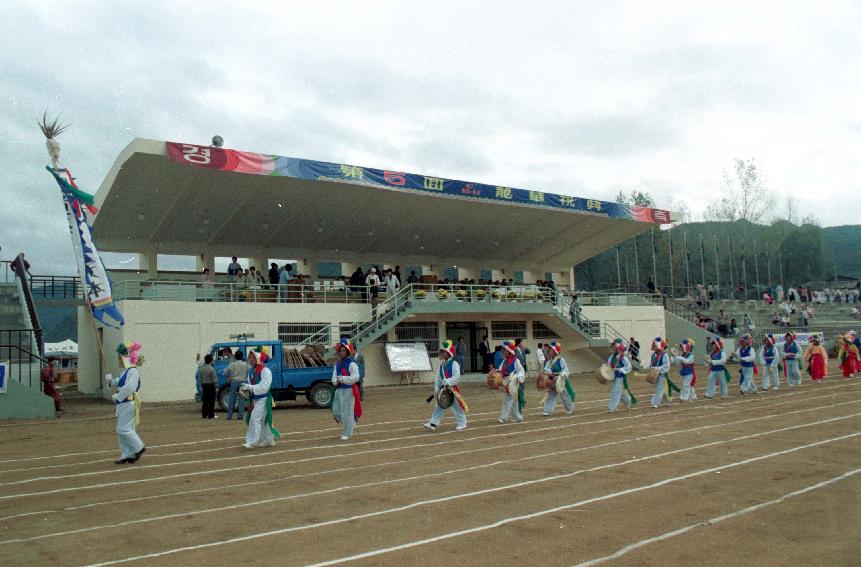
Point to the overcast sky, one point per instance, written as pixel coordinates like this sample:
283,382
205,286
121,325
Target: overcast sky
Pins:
580,98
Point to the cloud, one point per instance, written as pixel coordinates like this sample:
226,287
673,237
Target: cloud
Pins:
578,97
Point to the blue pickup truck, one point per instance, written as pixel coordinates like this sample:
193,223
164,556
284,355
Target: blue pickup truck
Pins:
287,383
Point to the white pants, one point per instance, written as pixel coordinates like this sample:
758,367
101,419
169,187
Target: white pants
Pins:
439,413
130,443
660,386
714,378
770,377
688,393
748,384
343,408
258,432
793,372
550,402
509,406
618,393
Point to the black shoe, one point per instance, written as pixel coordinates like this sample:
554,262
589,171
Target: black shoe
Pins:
138,455
124,461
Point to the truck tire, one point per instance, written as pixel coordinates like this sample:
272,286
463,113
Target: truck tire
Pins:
322,395
223,397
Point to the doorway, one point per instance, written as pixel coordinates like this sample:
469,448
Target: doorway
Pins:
471,333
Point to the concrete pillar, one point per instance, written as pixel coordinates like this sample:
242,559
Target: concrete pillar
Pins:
308,268
571,280
206,260
149,264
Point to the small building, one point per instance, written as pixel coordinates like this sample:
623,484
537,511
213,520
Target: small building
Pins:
488,259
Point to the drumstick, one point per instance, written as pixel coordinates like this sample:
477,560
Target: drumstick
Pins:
430,399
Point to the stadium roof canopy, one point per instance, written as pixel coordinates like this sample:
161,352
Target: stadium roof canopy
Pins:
175,198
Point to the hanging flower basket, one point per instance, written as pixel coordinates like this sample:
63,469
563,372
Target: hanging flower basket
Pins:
497,295
460,294
512,295
420,294
529,295
480,294
442,294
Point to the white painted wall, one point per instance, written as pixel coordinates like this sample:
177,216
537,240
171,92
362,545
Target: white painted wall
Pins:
174,332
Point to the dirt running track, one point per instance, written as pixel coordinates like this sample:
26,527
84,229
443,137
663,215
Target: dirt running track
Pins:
769,479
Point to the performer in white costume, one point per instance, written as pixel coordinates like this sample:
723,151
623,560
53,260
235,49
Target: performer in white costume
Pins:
621,365
127,401
747,359
513,374
346,404
790,357
685,357
769,356
717,371
557,371
660,361
261,432
448,376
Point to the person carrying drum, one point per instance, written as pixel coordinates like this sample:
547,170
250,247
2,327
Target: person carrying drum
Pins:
686,359
621,366
513,374
661,362
717,371
447,378
557,372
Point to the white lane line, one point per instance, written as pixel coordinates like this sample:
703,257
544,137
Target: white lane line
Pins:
320,447
717,519
709,407
310,431
361,428
233,447
419,477
391,463
498,523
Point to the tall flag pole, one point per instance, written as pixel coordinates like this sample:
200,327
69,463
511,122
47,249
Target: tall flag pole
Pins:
756,268
717,269
672,281
618,268
654,260
702,260
780,269
744,272
768,262
636,262
687,262
80,211
731,282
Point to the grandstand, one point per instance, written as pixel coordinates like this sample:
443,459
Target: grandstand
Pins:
207,204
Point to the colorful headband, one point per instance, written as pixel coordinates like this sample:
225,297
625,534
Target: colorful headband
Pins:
509,346
718,343
619,345
130,353
555,346
687,345
261,354
345,343
659,344
447,347
769,340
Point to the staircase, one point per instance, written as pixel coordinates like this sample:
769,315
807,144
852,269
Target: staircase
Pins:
406,302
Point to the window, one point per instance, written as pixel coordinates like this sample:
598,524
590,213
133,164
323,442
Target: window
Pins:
486,275
313,333
450,273
507,330
518,277
426,332
542,331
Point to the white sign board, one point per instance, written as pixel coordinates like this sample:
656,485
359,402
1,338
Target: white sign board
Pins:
4,376
408,357
803,339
